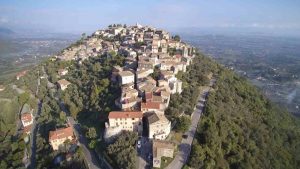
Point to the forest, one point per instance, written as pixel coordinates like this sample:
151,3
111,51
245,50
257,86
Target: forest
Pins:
240,128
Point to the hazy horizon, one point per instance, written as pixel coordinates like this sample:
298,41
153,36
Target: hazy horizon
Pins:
275,17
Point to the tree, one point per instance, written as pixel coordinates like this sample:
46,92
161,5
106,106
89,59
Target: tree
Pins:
176,38
91,133
183,123
23,98
62,116
92,144
123,151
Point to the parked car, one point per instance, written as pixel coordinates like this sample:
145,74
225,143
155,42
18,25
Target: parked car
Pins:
139,144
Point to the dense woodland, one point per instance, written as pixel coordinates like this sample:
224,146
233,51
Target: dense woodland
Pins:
183,104
123,151
240,128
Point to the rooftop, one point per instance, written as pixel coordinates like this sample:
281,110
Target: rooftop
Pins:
151,105
61,133
126,73
63,82
159,144
26,117
155,118
125,114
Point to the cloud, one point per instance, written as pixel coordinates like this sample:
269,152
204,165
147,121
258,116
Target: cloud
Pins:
3,20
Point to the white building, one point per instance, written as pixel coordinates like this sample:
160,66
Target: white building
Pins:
159,126
126,77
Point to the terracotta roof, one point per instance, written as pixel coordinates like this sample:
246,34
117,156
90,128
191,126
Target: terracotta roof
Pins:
125,114
151,105
178,55
61,133
20,74
27,129
148,96
26,117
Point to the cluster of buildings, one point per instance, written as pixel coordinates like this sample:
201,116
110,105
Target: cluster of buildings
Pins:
142,98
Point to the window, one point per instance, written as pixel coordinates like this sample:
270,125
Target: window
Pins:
132,119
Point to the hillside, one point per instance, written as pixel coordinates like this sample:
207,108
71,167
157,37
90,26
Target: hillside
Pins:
242,129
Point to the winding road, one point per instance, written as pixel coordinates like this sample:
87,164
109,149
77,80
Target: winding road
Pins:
185,147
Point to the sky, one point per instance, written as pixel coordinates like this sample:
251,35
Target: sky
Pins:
77,16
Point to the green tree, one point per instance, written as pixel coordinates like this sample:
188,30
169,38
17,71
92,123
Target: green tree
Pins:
62,116
91,133
92,144
176,38
23,98
183,123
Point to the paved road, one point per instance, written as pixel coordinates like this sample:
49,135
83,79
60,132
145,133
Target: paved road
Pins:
185,146
34,128
89,155
92,159
143,153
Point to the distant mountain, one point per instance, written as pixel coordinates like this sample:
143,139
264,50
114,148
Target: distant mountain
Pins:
6,31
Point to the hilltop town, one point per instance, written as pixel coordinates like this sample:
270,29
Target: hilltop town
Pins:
132,97
133,73
146,50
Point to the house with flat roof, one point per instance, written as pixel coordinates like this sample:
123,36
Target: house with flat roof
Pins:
126,77
161,149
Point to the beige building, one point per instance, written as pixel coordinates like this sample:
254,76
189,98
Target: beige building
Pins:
161,149
60,136
63,84
123,120
159,126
